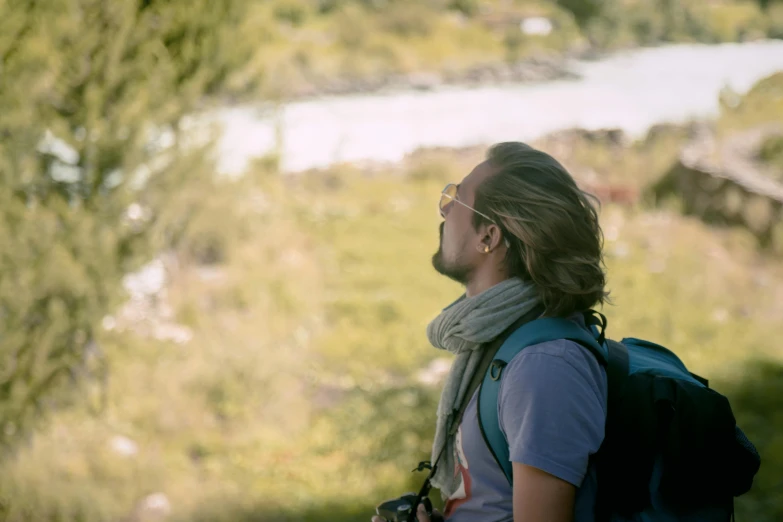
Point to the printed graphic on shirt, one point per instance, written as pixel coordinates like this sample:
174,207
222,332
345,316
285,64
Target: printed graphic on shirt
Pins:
463,493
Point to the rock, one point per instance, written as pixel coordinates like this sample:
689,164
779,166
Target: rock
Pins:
136,213
152,508
536,26
124,446
435,372
721,181
621,250
424,81
53,146
109,323
148,312
148,281
172,332
211,274
530,70
611,136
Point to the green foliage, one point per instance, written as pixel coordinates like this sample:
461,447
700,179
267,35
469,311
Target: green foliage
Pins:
189,407
768,4
583,10
774,15
732,21
758,401
294,12
466,7
87,189
763,104
407,20
648,22
56,260
772,152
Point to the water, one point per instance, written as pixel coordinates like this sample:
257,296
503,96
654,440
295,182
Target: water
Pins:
630,90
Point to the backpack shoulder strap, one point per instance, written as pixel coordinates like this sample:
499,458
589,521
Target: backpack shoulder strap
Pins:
490,350
538,331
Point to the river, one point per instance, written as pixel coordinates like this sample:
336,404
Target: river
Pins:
630,90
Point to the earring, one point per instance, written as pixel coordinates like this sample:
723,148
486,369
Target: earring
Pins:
486,249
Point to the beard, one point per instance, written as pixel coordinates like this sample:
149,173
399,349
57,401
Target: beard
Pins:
455,271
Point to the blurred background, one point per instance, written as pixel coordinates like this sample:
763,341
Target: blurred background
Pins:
217,219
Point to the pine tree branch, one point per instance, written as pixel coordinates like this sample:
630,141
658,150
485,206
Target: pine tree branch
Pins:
21,33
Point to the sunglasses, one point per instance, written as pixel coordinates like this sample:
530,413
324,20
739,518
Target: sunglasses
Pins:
449,196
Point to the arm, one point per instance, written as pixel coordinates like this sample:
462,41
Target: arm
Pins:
541,497
552,411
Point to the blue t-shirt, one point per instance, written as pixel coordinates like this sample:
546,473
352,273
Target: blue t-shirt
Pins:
552,409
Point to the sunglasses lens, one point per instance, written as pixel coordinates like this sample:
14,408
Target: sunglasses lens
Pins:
448,195
443,202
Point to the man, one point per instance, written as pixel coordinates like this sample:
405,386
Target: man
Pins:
524,241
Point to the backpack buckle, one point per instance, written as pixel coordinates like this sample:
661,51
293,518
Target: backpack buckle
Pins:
425,464
496,369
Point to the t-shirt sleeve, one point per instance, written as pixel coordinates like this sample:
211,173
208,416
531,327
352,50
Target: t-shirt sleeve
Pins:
552,408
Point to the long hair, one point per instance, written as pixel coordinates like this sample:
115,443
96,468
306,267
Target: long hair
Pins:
552,226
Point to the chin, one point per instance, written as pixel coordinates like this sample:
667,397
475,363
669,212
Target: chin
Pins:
455,273
437,261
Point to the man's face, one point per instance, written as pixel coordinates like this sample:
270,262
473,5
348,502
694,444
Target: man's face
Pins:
458,254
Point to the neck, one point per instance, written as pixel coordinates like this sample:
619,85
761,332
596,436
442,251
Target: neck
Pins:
482,280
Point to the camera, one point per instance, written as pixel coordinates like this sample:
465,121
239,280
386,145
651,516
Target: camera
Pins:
403,509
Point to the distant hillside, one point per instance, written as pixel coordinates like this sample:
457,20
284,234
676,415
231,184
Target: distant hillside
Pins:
308,46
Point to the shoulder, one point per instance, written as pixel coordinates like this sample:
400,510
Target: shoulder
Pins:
552,408
556,353
561,363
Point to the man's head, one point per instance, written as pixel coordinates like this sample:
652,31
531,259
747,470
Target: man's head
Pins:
520,214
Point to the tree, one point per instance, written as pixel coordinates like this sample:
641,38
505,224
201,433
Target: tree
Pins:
93,95
583,10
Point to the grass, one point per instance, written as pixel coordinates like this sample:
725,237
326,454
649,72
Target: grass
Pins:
297,397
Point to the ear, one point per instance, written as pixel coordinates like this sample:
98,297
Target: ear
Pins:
493,237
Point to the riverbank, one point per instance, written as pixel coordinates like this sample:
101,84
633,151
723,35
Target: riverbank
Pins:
531,70
631,90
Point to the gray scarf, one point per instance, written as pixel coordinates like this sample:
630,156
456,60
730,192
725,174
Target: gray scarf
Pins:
462,328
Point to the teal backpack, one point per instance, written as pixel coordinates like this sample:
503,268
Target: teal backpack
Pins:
672,449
